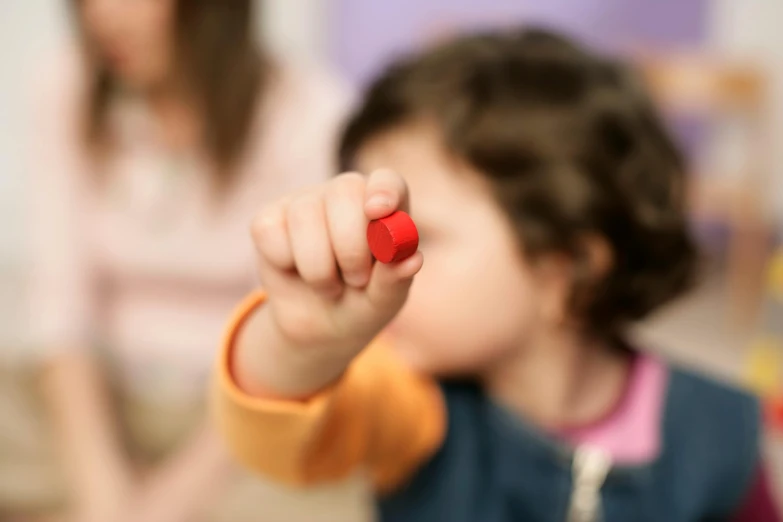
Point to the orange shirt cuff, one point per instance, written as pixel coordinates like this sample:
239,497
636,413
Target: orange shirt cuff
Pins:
264,434
380,414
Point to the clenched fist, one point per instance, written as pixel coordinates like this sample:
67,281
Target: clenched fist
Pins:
326,298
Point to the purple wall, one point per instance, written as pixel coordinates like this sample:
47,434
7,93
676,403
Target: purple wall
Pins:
369,32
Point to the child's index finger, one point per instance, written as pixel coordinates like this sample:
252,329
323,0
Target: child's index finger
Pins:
393,238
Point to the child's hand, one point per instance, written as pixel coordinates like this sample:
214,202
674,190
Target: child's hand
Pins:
326,297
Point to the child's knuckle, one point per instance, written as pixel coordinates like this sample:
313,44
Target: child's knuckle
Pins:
304,209
348,185
264,223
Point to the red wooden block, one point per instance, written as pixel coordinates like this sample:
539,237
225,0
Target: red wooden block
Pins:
393,238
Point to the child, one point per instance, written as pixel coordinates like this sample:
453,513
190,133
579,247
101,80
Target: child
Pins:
550,205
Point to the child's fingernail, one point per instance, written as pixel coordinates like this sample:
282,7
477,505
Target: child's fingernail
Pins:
379,200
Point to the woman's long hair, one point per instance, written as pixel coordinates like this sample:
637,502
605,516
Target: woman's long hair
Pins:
217,57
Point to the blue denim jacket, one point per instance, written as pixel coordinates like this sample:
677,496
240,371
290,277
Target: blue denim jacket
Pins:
494,468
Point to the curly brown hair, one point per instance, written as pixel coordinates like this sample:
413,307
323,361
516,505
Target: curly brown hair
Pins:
573,148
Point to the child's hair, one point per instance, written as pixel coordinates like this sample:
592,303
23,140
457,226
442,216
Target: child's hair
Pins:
572,147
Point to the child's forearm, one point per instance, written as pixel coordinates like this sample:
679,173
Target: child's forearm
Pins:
94,463
299,395
379,414
264,364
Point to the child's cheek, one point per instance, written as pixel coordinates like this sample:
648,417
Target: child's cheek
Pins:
431,329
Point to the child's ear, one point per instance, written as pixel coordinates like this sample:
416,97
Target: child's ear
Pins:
596,257
554,274
592,263
565,278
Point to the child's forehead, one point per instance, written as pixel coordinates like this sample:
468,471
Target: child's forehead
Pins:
416,152
413,143
443,192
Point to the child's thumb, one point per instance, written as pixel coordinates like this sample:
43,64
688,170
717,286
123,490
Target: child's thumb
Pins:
386,191
389,283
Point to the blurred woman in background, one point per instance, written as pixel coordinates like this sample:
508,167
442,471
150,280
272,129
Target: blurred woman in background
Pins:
157,143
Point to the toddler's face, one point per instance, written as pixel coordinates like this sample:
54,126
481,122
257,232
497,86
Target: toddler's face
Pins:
476,299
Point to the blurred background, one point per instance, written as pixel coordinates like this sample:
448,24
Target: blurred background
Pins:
715,66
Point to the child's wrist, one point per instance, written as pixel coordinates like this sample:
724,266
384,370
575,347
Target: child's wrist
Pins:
265,363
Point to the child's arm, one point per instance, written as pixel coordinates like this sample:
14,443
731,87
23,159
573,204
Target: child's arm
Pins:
379,415
298,396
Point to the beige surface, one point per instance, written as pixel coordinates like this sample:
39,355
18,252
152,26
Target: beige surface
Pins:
29,476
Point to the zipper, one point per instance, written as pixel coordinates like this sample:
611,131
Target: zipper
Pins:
590,468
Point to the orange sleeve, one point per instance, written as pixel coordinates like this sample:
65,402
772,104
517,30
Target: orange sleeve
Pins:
380,416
